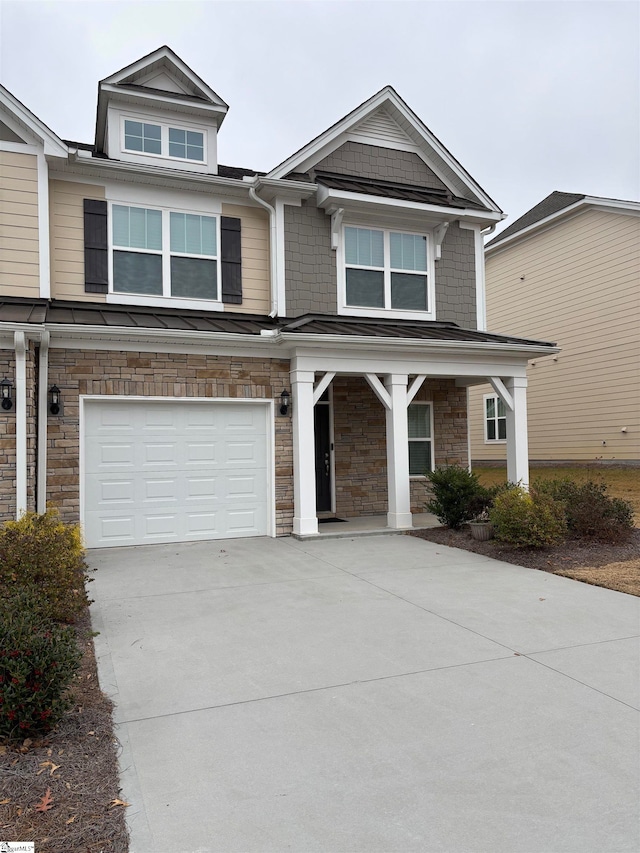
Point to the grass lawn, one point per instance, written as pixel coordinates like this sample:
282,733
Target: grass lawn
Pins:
622,482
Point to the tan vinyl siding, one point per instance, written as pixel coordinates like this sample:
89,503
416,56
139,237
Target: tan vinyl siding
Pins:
256,291
19,236
67,239
581,288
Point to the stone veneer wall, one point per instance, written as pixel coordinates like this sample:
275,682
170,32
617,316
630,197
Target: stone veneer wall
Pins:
32,424
164,375
360,443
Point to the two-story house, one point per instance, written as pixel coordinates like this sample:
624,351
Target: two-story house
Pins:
190,350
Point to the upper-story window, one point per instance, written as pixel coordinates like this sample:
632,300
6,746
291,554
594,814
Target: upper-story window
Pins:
164,140
386,270
158,252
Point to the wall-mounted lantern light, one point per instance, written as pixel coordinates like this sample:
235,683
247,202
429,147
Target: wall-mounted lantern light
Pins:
284,402
54,400
6,387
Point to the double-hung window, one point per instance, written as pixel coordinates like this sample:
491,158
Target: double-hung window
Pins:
385,269
495,419
420,438
164,141
164,253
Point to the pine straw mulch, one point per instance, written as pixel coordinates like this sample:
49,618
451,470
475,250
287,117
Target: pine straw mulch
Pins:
613,566
77,763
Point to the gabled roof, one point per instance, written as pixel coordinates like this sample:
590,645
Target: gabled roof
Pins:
157,79
555,205
385,119
549,205
24,118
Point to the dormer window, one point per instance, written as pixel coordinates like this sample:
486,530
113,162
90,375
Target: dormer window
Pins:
160,140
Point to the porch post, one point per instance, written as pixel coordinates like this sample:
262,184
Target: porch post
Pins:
305,522
517,437
399,514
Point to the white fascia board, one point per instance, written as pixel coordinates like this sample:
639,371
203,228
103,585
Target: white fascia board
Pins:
156,97
453,366
357,342
158,175
290,192
166,340
608,205
354,202
312,149
53,145
164,53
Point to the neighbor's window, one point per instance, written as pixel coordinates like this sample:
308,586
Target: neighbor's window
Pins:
174,142
495,419
420,438
385,269
164,253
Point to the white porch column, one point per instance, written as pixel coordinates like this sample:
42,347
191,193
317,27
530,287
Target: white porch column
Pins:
399,514
305,522
20,346
517,436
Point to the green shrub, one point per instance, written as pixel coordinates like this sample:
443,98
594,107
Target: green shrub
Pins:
527,520
41,553
458,495
590,512
38,660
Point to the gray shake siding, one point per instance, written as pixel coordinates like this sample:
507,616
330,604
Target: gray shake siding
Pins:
385,164
310,263
456,278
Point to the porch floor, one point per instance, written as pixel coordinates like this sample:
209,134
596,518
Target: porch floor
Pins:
368,525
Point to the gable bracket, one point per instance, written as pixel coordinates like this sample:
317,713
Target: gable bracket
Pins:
336,223
438,235
500,389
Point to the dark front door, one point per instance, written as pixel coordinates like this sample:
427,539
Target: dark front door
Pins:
323,457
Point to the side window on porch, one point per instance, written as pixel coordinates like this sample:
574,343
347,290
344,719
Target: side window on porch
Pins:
420,439
495,419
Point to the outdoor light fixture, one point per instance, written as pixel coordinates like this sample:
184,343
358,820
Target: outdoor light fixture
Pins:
284,402
54,400
5,393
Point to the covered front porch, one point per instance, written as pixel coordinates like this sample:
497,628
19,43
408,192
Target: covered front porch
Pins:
436,376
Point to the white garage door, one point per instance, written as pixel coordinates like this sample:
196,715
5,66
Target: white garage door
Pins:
173,471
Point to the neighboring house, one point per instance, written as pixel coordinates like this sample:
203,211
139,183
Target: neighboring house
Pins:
569,270
192,351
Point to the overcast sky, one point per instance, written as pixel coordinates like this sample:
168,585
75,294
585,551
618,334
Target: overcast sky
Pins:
530,97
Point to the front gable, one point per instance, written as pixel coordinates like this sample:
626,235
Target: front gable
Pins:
386,122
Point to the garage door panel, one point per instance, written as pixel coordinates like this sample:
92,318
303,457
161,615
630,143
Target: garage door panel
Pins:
176,471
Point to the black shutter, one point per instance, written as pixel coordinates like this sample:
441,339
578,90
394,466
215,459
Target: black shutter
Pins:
96,266
231,259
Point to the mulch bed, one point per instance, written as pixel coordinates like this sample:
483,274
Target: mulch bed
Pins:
613,566
77,764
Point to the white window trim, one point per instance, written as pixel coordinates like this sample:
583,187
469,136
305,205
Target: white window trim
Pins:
430,440
164,140
488,440
164,299
360,311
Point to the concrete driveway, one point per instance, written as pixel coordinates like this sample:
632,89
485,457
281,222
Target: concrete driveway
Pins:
370,694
